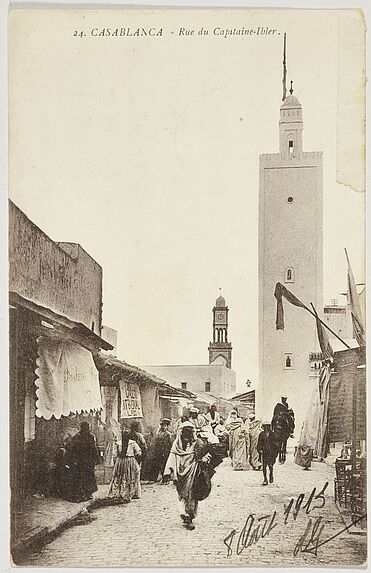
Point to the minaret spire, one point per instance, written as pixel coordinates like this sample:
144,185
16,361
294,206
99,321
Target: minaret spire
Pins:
284,89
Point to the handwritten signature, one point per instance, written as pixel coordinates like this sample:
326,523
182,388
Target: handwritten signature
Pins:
310,541
257,528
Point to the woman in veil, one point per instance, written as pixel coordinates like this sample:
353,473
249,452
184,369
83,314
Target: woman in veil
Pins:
239,444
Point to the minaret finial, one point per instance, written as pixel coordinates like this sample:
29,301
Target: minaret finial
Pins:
284,89
291,88
220,291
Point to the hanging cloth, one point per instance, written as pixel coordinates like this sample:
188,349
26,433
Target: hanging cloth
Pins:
67,379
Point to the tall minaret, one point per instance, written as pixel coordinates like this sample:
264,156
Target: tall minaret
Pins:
220,350
290,252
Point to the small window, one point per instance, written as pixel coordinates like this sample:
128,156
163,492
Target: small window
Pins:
291,146
288,361
92,326
289,275
290,199
207,386
184,385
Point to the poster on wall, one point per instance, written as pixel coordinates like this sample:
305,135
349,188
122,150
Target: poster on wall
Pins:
131,403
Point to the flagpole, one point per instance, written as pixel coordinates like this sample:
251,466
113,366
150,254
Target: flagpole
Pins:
326,325
298,303
346,254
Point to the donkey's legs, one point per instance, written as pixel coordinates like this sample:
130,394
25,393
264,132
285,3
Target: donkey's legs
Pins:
265,482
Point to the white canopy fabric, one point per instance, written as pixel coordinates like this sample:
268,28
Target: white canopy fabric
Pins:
67,379
314,430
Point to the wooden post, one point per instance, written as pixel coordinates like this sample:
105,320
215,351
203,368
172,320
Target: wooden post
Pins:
16,414
353,455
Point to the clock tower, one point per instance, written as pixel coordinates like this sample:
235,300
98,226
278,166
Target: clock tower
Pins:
220,350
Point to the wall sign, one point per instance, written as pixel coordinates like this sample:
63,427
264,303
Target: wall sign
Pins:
131,403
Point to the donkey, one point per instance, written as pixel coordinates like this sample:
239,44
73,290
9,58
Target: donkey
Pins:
282,429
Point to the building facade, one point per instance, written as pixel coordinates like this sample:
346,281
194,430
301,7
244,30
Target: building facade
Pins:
61,276
290,252
216,379
244,403
339,319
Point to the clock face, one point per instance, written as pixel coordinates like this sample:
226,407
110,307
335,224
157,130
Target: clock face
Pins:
220,317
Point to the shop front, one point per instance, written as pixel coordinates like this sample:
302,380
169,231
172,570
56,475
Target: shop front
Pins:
130,394
347,425
54,385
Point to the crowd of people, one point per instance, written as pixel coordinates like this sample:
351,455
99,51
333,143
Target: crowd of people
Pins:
186,452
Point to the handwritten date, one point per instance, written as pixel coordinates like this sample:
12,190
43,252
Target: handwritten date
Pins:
256,529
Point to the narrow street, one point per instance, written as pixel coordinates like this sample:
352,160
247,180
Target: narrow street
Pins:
148,532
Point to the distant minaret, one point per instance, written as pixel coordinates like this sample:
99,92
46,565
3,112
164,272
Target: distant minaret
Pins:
290,252
220,350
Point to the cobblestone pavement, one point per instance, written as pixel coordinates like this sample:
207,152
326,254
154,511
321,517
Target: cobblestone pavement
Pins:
148,532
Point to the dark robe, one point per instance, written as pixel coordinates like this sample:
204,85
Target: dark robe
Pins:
287,413
63,474
268,447
82,456
280,408
139,439
146,467
161,451
205,471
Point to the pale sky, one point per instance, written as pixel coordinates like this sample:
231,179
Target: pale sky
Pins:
146,152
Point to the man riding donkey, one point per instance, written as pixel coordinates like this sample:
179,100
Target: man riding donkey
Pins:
283,425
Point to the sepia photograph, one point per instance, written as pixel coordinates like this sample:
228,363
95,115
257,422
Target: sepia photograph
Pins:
187,288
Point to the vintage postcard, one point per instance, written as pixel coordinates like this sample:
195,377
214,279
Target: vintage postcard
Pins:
187,377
